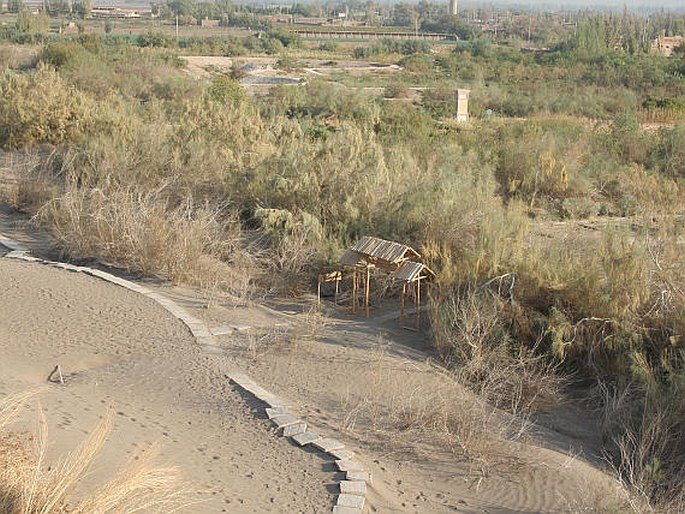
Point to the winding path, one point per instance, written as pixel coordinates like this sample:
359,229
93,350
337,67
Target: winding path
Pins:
353,486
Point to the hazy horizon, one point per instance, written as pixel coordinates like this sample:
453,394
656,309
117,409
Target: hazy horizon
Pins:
552,5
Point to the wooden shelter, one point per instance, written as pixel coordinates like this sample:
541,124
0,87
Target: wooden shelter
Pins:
412,273
399,260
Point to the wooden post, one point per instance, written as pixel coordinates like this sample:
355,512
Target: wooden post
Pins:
337,287
366,289
404,291
354,289
318,294
418,303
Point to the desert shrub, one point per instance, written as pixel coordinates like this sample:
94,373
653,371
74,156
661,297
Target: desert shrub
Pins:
15,57
226,90
321,100
669,154
396,90
287,63
28,484
329,47
531,167
154,40
392,46
439,102
418,63
287,39
638,190
41,108
127,72
268,45
176,88
580,207
471,337
628,139
332,180
143,232
297,242
58,54
32,22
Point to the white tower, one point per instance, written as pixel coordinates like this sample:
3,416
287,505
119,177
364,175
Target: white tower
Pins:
454,9
462,104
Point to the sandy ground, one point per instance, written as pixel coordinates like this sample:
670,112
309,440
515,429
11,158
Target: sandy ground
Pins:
261,74
120,350
430,445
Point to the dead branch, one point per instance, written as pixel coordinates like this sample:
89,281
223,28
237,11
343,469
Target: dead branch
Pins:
501,279
57,370
585,320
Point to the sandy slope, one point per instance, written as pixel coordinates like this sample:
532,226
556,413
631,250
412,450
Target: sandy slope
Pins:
431,446
121,350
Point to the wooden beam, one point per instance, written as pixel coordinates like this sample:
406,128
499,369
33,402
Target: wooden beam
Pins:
367,288
418,303
354,290
318,294
404,291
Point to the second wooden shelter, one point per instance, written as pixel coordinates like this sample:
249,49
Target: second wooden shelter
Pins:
399,260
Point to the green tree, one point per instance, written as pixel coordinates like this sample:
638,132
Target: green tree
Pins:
403,15
15,6
29,22
180,7
83,8
225,90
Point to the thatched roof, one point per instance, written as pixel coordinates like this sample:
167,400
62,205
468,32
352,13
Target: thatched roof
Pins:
383,250
395,258
410,271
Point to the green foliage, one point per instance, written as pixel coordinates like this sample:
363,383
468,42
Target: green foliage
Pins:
330,47
154,40
439,102
669,155
29,22
287,39
58,54
396,90
451,25
41,108
224,89
15,6
287,63
83,8
418,63
392,46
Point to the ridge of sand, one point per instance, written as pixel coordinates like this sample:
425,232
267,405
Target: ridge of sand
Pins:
352,489
377,389
118,349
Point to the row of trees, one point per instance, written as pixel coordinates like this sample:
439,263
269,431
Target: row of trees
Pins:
81,8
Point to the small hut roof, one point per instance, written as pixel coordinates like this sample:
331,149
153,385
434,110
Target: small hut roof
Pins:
351,258
409,271
381,249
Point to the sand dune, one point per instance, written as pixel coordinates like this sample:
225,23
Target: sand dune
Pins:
430,445
120,350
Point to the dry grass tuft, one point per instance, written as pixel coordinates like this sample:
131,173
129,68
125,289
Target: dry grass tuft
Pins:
31,485
416,402
15,57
